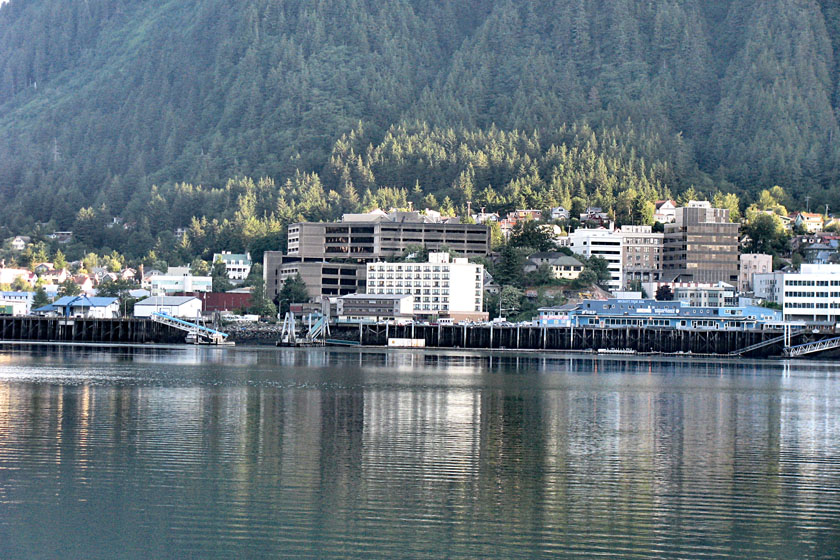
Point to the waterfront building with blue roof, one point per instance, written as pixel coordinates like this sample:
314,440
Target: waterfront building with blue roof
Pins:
650,313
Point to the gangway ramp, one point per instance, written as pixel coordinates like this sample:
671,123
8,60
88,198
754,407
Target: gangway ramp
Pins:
764,343
199,332
812,347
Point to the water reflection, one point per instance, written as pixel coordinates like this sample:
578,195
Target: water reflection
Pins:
333,453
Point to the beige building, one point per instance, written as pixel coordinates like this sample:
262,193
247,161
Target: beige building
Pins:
752,263
642,254
700,246
372,307
321,278
377,235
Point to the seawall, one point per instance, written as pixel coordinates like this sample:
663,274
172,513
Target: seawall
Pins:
59,329
642,340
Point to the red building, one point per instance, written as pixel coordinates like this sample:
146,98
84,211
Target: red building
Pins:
222,301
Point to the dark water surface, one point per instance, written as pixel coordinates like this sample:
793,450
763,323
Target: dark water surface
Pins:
245,453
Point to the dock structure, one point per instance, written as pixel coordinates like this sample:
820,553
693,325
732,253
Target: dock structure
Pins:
748,343
73,329
196,333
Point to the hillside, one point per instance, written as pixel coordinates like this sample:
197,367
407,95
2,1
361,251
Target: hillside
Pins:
502,102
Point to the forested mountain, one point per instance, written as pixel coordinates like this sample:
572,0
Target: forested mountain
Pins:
145,109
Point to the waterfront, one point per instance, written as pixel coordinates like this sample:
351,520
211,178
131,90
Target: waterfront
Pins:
203,452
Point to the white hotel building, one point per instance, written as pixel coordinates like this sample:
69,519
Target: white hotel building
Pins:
605,243
441,287
812,294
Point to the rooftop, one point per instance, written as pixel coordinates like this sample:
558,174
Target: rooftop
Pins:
165,300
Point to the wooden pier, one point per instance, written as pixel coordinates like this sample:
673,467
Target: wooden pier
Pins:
764,343
59,329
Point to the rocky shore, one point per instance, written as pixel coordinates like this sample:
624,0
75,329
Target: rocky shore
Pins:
253,333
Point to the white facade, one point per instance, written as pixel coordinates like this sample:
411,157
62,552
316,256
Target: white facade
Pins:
559,213
188,307
237,266
698,294
21,301
165,284
16,308
666,211
439,287
812,295
603,243
752,263
769,286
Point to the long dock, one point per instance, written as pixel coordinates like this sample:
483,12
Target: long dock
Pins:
60,329
750,343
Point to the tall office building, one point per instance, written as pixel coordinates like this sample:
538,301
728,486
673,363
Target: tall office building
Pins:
701,246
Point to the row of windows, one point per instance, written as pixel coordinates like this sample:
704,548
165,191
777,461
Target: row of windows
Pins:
812,294
812,282
409,276
812,305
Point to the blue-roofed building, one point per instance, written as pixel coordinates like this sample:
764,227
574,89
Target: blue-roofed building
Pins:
86,307
649,313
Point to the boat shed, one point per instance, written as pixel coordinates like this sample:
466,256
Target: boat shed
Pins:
177,306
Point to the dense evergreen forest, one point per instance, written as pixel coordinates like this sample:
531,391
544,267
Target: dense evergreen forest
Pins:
158,112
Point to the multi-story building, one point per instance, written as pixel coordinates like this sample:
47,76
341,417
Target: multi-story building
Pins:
177,280
752,263
321,278
237,266
701,246
604,243
376,235
442,287
811,295
696,294
374,307
769,286
642,254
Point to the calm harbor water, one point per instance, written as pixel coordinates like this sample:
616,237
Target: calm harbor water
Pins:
199,452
